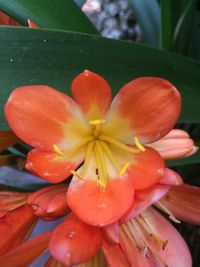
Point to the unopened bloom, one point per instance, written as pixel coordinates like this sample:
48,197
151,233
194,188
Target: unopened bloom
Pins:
16,220
49,203
106,138
176,144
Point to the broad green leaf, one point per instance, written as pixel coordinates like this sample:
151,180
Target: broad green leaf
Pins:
187,161
177,19
183,30
147,13
35,56
194,51
166,24
59,14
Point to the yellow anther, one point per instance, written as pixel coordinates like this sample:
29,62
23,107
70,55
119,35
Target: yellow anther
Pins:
102,183
58,151
96,122
124,169
78,175
138,145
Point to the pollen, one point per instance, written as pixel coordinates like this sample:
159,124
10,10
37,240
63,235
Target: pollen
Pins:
138,145
124,169
58,151
96,122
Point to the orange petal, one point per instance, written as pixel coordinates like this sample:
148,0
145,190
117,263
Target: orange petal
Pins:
175,253
146,169
50,166
26,253
92,93
74,242
115,256
14,224
183,201
7,139
144,199
146,107
42,117
97,205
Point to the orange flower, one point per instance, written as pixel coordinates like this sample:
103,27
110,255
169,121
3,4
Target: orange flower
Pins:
108,138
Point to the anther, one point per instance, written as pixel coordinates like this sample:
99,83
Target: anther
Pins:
138,145
96,122
78,175
58,151
124,169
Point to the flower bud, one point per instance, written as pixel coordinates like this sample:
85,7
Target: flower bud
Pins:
50,202
11,200
176,144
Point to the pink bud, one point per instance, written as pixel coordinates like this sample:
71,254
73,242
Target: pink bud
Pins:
50,202
176,144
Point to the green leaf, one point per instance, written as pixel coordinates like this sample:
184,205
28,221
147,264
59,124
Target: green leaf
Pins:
177,19
194,50
147,13
183,30
187,161
166,24
35,56
59,14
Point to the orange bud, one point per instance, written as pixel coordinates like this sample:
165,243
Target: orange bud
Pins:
32,24
11,200
50,202
176,144
6,20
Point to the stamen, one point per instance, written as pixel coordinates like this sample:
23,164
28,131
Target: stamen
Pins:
78,175
100,160
138,145
115,142
87,157
109,153
144,224
161,206
58,151
96,122
124,169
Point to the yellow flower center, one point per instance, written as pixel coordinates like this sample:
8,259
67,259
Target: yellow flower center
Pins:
100,145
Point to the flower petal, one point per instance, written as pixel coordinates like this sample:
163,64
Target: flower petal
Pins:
7,139
143,199
176,144
74,242
176,252
13,225
114,255
111,233
97,205
27,252
171,178
145,169
42,117
146,107
50,166
183,201
92,93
